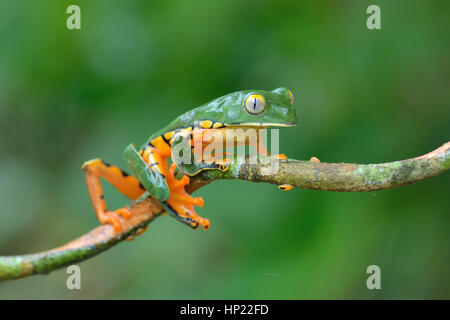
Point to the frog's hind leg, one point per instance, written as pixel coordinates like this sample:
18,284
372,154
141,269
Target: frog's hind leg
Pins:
151,168
124,183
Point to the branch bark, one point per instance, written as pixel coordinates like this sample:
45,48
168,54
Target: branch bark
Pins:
300,174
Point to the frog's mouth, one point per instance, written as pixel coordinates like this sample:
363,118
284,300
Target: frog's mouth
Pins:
259,125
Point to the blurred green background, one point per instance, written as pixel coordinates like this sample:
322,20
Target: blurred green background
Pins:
361,96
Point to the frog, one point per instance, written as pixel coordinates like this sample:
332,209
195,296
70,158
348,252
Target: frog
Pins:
154,176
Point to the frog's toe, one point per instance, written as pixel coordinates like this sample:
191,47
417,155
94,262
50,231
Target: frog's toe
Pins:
115,222
195,221
125,212
115,218
110,217
198,201
285,187
204,223
280,156
314,159
183,208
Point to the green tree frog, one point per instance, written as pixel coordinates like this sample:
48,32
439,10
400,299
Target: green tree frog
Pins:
150,164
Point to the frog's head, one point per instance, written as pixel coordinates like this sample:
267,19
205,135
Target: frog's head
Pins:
257,108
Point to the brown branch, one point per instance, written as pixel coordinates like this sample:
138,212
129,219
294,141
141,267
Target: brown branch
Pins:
301,174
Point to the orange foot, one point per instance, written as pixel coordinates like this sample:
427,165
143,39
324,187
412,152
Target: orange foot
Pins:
116,217
182,202
285,187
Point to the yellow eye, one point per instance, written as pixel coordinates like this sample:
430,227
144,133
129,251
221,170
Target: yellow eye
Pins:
255,103
291,96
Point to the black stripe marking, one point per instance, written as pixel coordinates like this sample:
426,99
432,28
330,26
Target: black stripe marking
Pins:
185,220
106,163
170,207
165,140
124,174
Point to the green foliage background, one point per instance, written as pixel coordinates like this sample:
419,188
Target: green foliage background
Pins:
362,96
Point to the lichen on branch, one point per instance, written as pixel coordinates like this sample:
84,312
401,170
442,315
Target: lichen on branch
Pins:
314,175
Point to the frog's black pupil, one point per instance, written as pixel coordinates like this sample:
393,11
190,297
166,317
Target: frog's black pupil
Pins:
254,105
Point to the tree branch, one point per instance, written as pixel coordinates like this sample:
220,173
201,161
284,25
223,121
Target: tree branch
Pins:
300,174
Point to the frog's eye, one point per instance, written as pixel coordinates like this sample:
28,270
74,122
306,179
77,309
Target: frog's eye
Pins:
255,103
291,96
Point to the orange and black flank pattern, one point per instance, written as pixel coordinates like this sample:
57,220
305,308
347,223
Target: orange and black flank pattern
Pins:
155,158
155,154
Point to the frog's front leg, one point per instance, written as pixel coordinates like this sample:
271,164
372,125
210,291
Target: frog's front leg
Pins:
186,155
151,167
263,150
126,184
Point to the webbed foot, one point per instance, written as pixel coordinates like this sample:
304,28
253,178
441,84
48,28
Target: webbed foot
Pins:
115,218
181,203
285,187
280,156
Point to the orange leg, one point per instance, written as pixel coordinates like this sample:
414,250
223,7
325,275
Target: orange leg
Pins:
263,150
156,160
124,183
